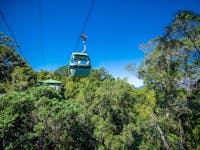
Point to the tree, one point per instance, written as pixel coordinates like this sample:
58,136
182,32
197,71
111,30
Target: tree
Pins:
9,61
22,78
38,118
108,106
148,125
171,68
44,75
61,73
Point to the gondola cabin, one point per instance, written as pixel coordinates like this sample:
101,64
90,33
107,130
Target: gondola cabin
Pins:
79,65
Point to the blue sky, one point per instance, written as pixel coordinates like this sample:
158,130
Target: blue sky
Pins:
115,30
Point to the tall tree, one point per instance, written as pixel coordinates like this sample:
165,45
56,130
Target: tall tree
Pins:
171,68
9,59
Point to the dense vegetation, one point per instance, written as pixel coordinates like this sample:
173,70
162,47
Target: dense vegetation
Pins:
101,112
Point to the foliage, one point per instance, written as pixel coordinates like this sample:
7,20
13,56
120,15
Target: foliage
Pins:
10,65
108,107
22,78
44,75
38,118
61,74
171,68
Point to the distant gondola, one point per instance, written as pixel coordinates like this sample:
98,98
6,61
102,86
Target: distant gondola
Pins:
79,65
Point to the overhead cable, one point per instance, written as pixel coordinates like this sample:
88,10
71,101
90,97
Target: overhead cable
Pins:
11,33
84,24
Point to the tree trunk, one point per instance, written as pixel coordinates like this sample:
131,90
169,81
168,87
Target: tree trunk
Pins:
162,136
182,139
159,131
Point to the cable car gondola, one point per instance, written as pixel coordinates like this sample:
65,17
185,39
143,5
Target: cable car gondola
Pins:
79,65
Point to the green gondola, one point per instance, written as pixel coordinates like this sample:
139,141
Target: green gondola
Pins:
79,65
